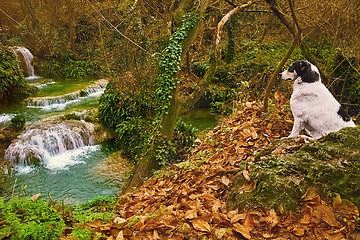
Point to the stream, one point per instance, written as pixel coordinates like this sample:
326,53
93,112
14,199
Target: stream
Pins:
70,168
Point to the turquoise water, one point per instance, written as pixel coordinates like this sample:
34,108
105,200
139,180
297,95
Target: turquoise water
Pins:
68,177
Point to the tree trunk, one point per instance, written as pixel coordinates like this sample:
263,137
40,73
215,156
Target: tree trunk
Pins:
148,161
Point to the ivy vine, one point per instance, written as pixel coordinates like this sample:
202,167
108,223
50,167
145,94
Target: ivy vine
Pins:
136,118
170,65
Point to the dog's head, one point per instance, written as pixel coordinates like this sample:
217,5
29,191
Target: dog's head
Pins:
302,71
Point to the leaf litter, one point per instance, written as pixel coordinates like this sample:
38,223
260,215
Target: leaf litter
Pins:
190,202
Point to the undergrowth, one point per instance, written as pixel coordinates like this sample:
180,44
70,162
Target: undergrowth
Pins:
34,218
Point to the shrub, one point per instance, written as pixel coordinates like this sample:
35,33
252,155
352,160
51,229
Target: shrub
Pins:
28,219
18,122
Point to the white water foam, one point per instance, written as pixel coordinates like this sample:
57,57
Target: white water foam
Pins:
45,84
62,161
69,158
46,140
61,102
6,118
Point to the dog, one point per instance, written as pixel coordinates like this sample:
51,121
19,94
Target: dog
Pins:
313,106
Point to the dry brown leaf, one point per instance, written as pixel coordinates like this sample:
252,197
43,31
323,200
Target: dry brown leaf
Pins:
242,230
248,187
268,235
207,196
249,222
95,224
237,217
35,197
311,194
191,214
225,180
298,230
201,225
151,225
307,215
156,235
327,215
120,236
246,175
272,219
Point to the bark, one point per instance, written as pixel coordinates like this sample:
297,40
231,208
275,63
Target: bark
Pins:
148,161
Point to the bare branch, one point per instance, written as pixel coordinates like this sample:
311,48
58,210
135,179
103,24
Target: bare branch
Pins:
295,41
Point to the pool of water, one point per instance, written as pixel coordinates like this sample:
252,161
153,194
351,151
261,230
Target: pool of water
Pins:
68,177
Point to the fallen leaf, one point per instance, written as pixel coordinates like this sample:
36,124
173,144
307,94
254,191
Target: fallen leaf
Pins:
237,217
246,175
191,214
310,194
272,219
120,236
249,222
242,230
248,187
201,225
156,235
225,180
307,215
327,215
35,197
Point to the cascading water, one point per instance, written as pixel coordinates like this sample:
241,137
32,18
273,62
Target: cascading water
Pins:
57,156
42,141
60,102
25,57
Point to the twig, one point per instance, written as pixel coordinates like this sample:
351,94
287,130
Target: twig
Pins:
13,191
295,41
123,35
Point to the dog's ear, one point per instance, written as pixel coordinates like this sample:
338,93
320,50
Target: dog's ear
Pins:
310,77
303,65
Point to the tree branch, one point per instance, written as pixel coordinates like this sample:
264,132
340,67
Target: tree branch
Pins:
295,41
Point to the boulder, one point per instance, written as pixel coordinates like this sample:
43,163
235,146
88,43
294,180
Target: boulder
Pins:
278,179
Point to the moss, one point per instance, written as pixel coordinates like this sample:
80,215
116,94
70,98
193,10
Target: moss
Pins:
330,164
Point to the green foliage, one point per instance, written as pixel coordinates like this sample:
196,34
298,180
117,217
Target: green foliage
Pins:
129,116
99,208
69,68
18,122
81,234
135,116
25,219
13,86
182,141
169,65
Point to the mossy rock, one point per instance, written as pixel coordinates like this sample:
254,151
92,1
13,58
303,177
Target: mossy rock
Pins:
330,164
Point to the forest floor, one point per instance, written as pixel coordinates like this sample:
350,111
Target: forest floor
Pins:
188,199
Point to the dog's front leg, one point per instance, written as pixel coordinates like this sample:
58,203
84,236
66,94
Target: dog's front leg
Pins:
297,127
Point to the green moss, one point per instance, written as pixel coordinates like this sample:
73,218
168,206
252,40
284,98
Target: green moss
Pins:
330,164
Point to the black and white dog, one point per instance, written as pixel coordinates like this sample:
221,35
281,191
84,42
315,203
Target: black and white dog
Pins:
313,106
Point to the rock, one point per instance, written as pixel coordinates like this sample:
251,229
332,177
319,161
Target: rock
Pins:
279,179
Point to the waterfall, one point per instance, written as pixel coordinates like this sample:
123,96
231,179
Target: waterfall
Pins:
45,140
60,102
25,57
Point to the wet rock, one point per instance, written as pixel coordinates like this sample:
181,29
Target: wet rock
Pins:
279,178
